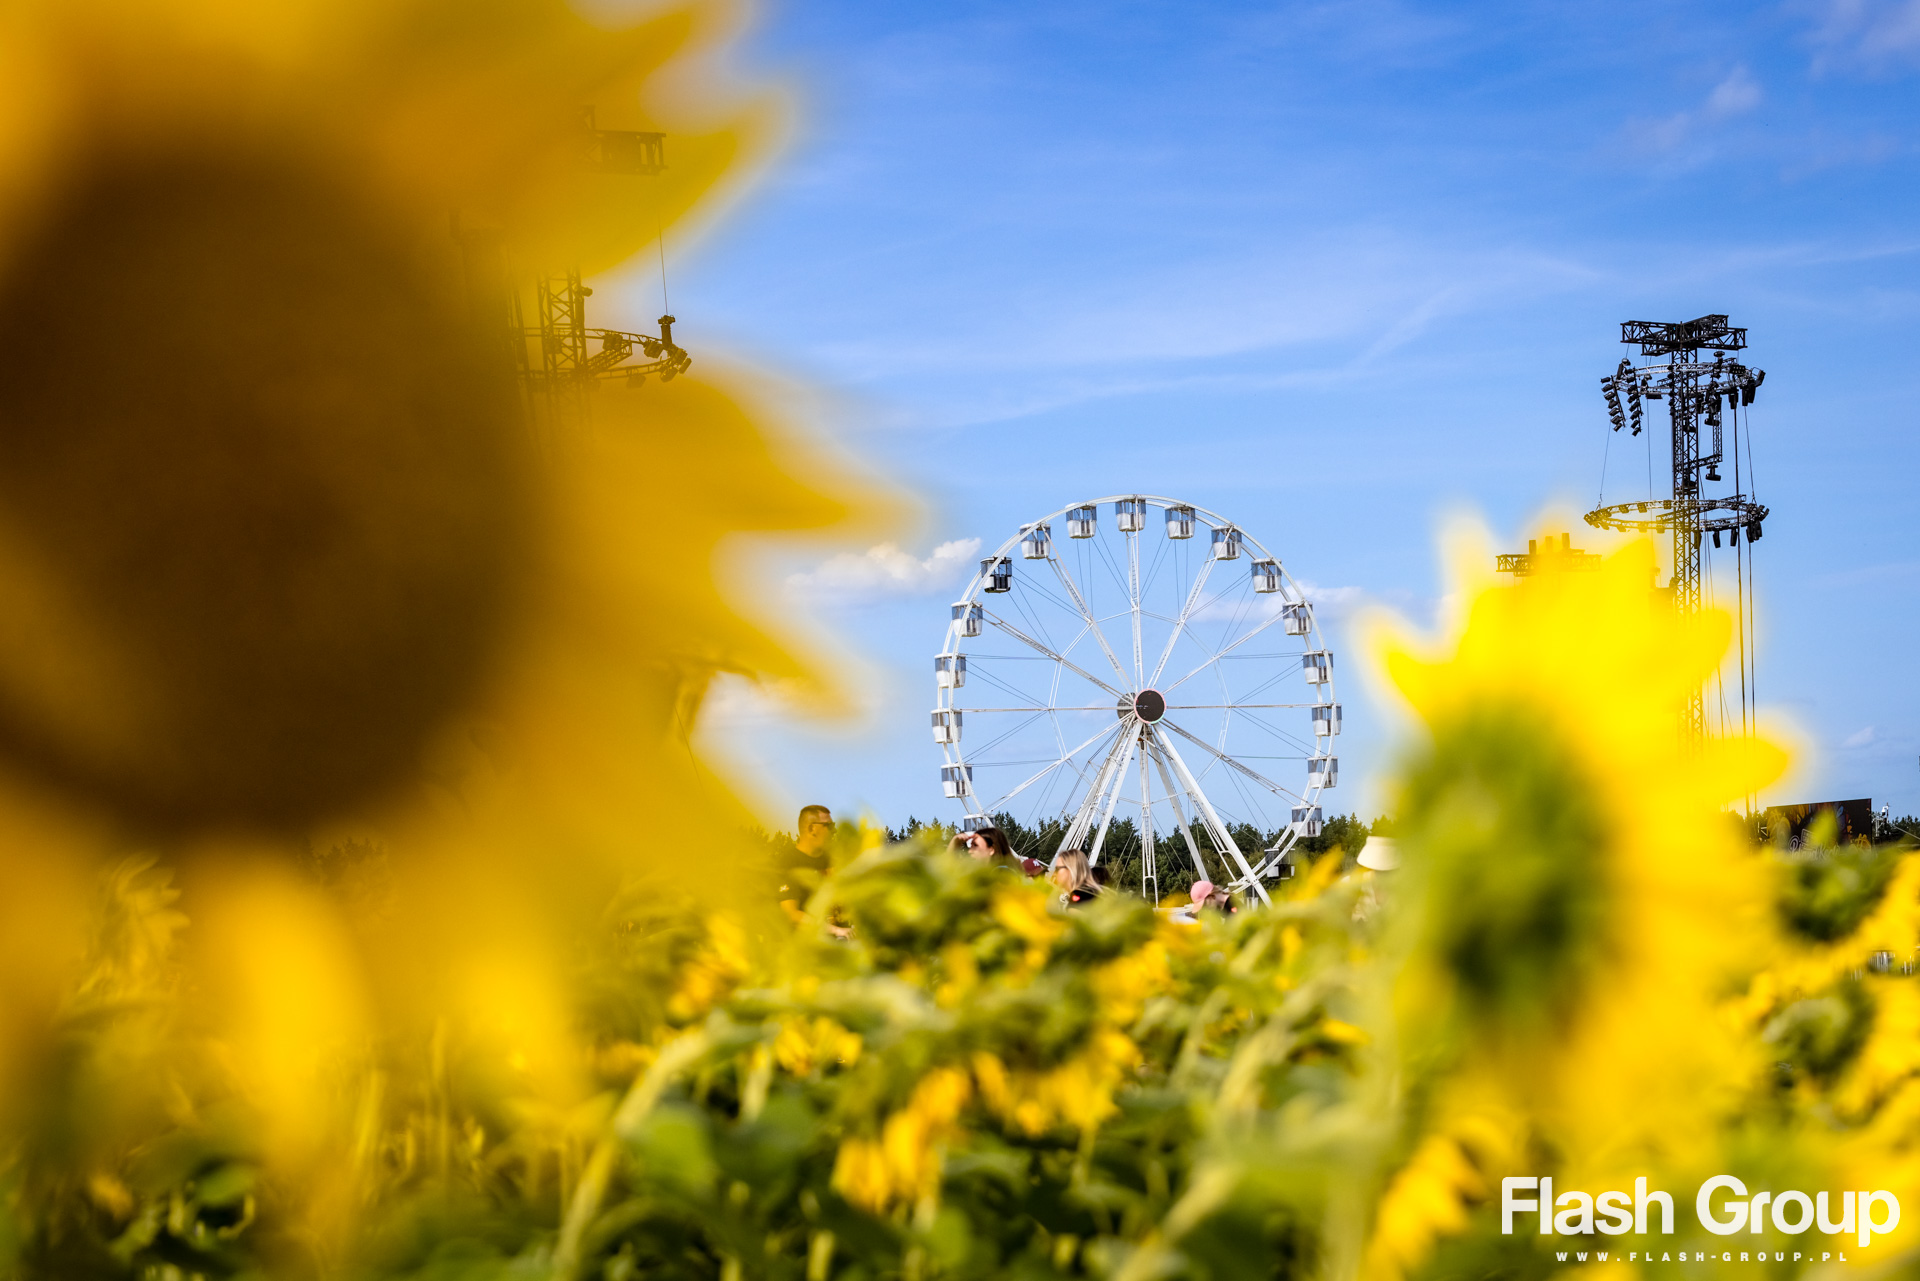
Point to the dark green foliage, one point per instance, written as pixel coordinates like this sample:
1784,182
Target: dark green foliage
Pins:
1483,1253
1341,832
1825,893
1501,826
1817,1037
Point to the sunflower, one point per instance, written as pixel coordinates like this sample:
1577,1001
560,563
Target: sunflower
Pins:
1581,914
282,566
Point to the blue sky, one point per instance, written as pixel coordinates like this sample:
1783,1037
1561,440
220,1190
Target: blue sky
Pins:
1335,270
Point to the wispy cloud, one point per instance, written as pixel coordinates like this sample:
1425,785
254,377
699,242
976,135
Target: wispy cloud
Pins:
1338,305
1335,602
1378,287
1860,737
1329,603
886,570
1736,95
1867,34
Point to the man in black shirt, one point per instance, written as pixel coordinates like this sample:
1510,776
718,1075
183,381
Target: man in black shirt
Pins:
804,860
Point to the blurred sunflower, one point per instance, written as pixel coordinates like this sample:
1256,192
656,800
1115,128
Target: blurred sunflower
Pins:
267,514
280,562
1581,913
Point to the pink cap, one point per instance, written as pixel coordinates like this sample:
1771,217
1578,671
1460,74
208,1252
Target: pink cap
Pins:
1200,891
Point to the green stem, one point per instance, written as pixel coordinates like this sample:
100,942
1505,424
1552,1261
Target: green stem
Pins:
675,1057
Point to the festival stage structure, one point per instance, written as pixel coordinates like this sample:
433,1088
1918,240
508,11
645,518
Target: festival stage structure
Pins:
1693,367
560,360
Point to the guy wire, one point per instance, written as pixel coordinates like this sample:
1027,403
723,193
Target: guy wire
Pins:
1649,436
660,239
1600,500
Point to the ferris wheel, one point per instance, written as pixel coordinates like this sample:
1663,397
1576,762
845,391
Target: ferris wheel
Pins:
1155,675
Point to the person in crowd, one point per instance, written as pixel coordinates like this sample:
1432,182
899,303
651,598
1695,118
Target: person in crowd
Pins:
1189,913
999,850
1103,877
988,844
813,831
1378,860
1220,901
804,860
1074,876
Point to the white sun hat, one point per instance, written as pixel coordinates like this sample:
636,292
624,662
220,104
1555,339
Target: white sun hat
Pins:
1379,854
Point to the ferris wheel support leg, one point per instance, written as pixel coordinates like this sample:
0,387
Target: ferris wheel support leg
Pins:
1113,797
1179,812
1214,824
1108,775
1149,874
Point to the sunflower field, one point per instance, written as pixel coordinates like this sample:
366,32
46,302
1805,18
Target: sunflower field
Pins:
347,787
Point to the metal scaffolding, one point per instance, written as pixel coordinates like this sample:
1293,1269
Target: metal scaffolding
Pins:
1703,397
560,360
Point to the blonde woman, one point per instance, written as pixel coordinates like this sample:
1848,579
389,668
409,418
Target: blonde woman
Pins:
1074,875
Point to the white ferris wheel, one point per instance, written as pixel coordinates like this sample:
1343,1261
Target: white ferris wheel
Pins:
1155,668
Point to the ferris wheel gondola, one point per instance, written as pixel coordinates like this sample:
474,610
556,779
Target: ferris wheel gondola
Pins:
1164,674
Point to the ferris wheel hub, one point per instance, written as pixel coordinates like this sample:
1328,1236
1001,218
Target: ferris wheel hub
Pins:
1148,705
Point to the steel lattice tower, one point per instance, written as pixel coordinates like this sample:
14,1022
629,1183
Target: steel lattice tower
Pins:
555,359
1677,370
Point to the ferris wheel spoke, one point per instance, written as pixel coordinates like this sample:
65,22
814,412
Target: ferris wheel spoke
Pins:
1091,707
1190,707
1291,740
1055,655
986,749
1032,620
1112,566
1222,653
1065,759
1153,570
993,680
1222,838
1257,690
1080,603
1241,609
1180,623
1279,602
1247,800
1037,588
1233,764
1133,600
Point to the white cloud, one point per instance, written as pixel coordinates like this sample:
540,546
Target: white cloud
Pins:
1860,738
886,570
1329,603
1736,95
1334,602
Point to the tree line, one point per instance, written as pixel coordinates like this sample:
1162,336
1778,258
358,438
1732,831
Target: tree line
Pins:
1121,853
